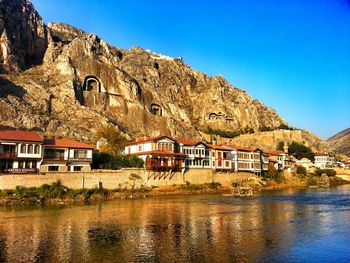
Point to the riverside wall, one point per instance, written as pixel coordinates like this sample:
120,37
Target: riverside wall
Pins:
125,178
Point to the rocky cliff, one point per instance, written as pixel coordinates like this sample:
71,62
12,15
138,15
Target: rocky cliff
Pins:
23,36
71,82
269,140
340,143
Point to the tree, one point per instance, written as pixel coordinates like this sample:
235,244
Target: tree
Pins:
112,161
115,141
280,146
284,127
272,171
299,151
265,128
301,170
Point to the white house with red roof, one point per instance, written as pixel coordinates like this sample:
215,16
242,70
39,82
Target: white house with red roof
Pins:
221,158
158,153
197,153
248,159
62,155
20,151
324,160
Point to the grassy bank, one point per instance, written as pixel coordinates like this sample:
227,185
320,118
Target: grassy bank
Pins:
58,193
302,180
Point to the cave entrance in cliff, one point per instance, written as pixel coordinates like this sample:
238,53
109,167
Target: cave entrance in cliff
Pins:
156,109
213,116
91,83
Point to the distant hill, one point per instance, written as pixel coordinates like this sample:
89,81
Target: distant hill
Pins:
340,142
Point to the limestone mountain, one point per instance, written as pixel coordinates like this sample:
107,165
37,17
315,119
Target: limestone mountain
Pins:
63,81
340,142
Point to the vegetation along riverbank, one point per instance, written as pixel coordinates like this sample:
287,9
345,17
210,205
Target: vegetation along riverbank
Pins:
57,193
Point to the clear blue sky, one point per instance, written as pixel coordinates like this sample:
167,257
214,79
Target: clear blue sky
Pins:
292,55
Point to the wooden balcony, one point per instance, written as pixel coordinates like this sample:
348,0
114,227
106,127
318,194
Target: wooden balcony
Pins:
8,155
55,158
80,159
21,171
157,164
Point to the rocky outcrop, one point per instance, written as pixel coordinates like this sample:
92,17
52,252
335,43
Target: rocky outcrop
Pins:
23,36
82,82
269,140
340,143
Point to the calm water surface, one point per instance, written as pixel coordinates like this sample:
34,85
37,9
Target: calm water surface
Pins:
278,226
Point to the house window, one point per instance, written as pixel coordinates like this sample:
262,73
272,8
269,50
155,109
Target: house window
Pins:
30,148
36,149
140,148
77,168
23,148
80,154
21,164
34,165
53,168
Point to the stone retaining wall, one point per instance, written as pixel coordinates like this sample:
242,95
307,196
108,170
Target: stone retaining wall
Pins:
120,179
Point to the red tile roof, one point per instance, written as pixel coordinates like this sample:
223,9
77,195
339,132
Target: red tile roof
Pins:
65,143
276,152
243,148
151,139
191,143
220,147
16,135
321,154
159,153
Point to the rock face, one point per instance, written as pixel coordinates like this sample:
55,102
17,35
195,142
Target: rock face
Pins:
80,83
269,140
340,142
23,36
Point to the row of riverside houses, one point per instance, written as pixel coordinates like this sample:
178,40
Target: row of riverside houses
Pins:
28,152
163,152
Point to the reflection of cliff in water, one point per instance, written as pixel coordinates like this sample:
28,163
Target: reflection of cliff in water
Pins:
270,227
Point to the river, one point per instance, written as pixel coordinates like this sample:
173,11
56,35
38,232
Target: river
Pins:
295,225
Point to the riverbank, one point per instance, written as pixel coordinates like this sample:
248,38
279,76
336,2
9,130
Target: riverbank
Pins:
309,181
57,193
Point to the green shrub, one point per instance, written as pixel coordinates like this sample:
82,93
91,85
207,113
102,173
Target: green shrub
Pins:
300,151
301,170
189,186
311,181
265,128
214,185
229,134
115,162
328,172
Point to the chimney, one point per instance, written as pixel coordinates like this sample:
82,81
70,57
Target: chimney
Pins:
215,141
